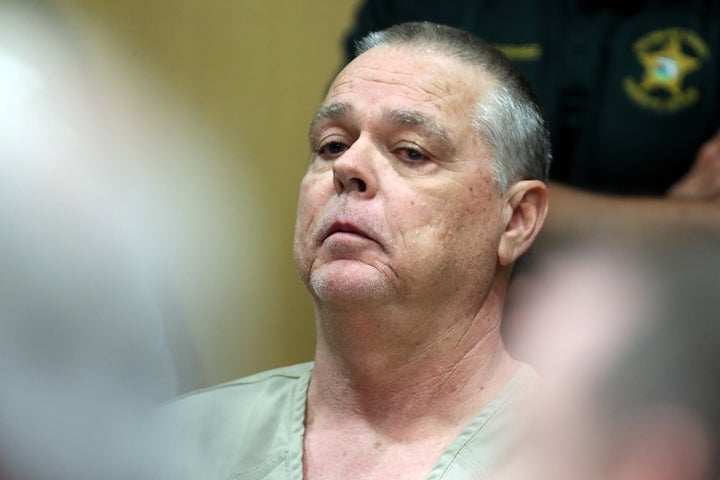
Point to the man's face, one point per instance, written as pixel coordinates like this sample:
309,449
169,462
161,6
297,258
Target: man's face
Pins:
398,202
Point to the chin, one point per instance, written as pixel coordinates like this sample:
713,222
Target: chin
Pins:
348,288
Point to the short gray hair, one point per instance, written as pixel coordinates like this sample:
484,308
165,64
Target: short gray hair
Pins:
508,118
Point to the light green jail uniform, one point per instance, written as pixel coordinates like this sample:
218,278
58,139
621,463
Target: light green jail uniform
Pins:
252,428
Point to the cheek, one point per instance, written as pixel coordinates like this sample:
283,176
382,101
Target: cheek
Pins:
314,191
465,215
310,201
304,208
470,235
456,220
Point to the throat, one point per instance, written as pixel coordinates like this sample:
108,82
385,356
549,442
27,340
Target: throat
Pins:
403,397
360,452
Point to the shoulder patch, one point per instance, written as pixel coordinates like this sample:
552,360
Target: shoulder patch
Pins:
667,57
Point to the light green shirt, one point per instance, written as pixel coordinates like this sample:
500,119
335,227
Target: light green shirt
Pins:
253,428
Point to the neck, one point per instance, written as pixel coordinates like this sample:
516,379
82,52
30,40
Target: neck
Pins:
402,381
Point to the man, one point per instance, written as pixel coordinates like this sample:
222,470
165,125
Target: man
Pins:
426,183
632,97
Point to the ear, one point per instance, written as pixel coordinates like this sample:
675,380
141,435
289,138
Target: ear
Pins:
526,204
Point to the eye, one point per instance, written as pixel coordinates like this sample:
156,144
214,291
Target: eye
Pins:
411,154
330,150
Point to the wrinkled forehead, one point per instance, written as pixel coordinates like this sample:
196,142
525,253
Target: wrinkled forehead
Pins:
426,76
430,56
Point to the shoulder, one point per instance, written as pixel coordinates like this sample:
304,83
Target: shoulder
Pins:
287,374
501,416
244,396
494,434
235,426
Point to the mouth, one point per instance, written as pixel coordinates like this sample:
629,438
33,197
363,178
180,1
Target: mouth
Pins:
341,227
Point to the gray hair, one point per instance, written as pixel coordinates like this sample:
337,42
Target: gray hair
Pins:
508,118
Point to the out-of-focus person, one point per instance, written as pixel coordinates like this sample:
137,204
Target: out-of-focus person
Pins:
84,353
626,338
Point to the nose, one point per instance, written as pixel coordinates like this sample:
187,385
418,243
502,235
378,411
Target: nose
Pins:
353,171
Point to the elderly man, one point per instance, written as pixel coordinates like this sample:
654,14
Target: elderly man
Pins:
427,182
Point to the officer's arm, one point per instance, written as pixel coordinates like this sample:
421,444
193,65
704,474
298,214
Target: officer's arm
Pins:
578,212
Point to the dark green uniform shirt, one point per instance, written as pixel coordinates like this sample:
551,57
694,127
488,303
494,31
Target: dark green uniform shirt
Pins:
631,89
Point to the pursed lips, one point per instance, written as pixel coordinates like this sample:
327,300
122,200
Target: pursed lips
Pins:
342,228
353,234
345,227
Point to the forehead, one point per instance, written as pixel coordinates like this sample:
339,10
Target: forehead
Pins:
417,79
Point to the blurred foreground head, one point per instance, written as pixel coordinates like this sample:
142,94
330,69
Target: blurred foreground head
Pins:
83,349
628,338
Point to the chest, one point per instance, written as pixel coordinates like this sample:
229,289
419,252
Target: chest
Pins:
364,456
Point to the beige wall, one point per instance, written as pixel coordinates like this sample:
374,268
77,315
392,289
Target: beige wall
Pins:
252,72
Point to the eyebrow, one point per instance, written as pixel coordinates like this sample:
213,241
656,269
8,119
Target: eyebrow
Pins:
332,111
420,122
404,118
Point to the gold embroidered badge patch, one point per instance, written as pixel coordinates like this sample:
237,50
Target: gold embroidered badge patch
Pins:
667,56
